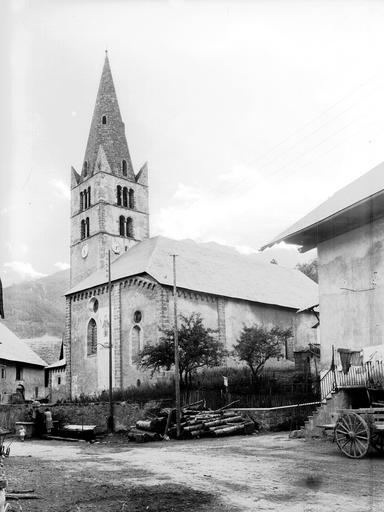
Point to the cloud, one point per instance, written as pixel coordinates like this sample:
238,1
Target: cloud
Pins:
61,189
244,208
61,265
243,205
23,269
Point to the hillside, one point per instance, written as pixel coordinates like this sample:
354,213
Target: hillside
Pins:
37,308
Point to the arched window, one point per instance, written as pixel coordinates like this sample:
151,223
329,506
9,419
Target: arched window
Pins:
85,197
118,195
82,229
124,167
89,197
131,201
135,342
125,197
85,168
91,337
122,226
81,201
87,227
104,120
130,227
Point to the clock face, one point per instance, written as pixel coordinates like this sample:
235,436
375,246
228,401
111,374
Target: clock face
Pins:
116,248
84,251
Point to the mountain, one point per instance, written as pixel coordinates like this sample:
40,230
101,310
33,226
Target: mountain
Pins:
36,308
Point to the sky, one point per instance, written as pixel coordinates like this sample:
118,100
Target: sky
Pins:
249,114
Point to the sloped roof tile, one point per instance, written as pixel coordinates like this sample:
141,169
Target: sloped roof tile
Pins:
216,270
14,349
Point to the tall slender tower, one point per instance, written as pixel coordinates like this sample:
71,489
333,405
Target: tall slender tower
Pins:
109,202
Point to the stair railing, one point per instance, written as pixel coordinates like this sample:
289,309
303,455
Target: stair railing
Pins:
328,384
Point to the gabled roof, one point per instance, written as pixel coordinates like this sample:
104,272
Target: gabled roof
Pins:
211,269
358,203
58,364
13,349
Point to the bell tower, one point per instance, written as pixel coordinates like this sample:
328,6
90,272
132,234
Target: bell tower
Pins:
109,202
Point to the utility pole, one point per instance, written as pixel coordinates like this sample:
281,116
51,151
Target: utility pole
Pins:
176,340
110,418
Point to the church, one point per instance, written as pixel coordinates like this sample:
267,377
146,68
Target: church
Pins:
110,216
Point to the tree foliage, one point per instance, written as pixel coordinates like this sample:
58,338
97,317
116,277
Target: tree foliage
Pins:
309,269
198,348
257,344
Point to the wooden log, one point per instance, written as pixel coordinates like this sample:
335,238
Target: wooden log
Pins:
169,418
229,430
59,438
193,427
214,423
23,496
228,405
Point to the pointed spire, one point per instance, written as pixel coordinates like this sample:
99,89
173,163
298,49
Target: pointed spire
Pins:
107,130
75,178
142,175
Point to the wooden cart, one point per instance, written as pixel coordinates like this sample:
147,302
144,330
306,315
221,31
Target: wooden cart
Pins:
358,429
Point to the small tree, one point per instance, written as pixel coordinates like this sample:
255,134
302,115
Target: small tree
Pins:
257,344
198,348
309,269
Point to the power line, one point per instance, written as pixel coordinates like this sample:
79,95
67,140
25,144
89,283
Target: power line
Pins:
308,123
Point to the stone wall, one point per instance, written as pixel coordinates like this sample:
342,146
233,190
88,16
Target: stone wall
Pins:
126,414
280,418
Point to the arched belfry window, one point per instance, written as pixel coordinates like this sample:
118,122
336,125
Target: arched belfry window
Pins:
125,197
131,199
81,201
85,168
118,195
91,337
135,342
87,227
89,197
124,167
130,227
85,197
82,229
104,120
122,225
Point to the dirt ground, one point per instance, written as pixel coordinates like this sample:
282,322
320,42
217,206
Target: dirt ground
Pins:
252,473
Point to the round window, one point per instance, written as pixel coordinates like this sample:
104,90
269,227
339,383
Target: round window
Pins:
137,317
93,305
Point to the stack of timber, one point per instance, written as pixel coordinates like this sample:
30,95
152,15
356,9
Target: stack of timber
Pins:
196,421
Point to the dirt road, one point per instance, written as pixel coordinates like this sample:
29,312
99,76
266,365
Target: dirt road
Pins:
255,473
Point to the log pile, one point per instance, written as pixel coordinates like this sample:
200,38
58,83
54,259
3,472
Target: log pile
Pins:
196,421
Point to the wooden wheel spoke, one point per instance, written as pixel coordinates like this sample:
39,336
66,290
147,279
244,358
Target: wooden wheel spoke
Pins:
359,443
360,431
342,429
353,435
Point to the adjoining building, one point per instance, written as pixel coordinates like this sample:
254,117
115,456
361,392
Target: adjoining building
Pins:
21,369
110,215
348,232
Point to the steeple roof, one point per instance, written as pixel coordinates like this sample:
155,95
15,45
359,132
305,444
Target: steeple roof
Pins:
108,130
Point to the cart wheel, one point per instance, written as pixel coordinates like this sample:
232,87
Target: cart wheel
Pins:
377,441
352,435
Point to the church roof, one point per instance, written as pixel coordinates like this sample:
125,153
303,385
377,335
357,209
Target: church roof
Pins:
111,134
14,349
356,204
212,269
